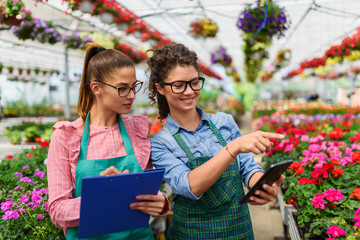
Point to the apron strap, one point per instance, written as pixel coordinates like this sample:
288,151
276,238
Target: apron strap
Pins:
186,149
86,135
217,133
183,145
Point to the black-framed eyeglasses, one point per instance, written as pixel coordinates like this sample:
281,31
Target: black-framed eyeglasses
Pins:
178,87
125,90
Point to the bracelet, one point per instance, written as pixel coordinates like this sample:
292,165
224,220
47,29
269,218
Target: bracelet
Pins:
226,147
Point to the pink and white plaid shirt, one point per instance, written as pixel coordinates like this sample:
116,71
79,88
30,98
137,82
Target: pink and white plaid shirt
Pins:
104,142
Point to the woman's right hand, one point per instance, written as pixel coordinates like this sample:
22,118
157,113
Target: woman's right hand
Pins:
112,171
256,142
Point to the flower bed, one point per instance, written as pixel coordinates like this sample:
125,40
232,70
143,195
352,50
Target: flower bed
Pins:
323,183
24,197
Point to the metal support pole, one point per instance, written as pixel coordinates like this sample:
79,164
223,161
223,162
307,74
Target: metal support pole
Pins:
67,95
351,88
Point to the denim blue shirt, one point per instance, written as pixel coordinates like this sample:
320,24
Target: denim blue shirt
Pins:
167,153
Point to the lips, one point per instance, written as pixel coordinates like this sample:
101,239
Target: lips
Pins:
187,100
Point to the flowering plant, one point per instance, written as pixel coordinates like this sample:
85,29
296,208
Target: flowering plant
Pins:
221,56
323,182
255,47
137,56
24,198
75,41
44,32
204,28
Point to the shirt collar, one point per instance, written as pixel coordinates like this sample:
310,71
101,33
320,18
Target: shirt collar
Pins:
173,127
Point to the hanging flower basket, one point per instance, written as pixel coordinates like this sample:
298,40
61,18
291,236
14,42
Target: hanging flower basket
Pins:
204,28
28,71
258,39
20,71
12,21
10,69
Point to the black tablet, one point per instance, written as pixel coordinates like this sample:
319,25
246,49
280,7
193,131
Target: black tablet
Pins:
270,176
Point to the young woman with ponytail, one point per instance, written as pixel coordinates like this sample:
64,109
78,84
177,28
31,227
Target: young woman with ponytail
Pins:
100,142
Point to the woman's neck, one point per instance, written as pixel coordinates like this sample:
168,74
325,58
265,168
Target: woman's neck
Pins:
101,117
188,120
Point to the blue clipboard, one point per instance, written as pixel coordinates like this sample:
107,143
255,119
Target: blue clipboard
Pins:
105,202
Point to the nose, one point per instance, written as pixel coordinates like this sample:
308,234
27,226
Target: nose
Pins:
188,89
131,94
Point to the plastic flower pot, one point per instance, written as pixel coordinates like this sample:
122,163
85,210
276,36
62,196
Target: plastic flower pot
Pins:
121,26
137,34
106,17
20,71
86,6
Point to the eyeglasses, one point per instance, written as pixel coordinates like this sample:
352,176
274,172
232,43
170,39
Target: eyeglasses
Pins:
177,87
124,91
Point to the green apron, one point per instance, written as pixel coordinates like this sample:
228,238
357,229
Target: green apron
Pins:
217,214
86,168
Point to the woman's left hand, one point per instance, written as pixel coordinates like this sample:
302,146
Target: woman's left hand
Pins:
152,205
268,193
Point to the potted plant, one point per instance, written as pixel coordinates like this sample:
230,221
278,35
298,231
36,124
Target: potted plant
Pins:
10,69
28,71
205,28
1,67
44,72
20,70
36,70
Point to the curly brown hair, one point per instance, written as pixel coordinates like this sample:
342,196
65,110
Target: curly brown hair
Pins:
164,60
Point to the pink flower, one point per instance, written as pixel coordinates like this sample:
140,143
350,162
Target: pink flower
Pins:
11,214
37,199
289,147
26,179
314,148
330,239
357,212
24,198
29,155
333,195
40,217
39,173
304,138
25,167
335,231
18,188
5,206
318,201
18,174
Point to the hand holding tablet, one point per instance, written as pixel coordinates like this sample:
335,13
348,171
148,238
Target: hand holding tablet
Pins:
270,176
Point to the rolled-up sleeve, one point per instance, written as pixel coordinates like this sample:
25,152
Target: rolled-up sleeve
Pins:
176,172
246,162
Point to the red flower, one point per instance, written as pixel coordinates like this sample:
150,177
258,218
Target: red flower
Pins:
305,180
44,144
29,155
38,139
9,157
297,167
355,193
356,157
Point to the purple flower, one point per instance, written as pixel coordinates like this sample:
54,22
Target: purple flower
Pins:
11,214
39,173
5,206
18,188
24,198
18,174
46,205
25,167
26,179
40,217
37,199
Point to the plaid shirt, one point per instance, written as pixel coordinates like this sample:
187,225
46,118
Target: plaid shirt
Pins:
104,142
